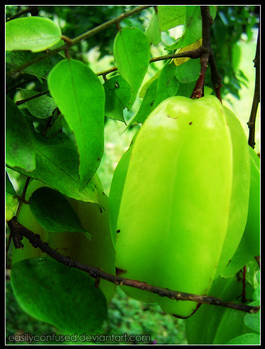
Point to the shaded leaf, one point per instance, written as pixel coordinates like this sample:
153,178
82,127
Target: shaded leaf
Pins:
53,161
61,296
9,186
189,71
40,69
118,93
41,107
247,338
19,142
31,33
53,211
80,97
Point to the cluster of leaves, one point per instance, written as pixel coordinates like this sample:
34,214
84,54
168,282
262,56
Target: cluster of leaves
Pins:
58,137
230,23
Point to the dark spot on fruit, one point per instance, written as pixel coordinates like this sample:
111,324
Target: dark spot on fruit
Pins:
118,231
190,123
151,104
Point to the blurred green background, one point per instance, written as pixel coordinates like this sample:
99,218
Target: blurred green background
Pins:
128,315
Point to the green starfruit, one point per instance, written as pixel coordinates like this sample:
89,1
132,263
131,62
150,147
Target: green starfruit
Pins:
184,203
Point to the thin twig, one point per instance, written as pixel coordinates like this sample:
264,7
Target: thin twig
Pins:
193,54
32,97
81,37
96,273
256,98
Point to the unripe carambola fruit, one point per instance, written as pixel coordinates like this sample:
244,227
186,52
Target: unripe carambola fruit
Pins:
97,250
185,175
249,246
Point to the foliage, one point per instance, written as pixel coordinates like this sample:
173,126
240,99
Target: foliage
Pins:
61,114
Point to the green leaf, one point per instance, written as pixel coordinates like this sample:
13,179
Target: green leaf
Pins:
188,71
9,186
31,33
171,16
40,69
19,142
230,325
41,107
147,105
247,338
167,84
80,97
53,161
164,86
153,31
53,211
252,321
64,297
132,53
118,93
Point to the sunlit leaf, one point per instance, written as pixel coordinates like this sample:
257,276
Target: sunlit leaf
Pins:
31,33
80,97
132,53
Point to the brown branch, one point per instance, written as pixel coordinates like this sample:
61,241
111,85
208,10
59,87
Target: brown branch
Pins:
216,78
256,98
81,37
190,54
206,46
96,273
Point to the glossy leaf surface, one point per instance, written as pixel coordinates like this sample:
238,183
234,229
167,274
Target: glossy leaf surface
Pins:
132,53
31,33
80,97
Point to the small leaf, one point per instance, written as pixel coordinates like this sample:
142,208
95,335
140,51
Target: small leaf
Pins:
247,338
118,93
252,321
61,296
167,84
19,142
41,107
189,71
31,33
80,97
9,186
147,105
153,31
193,46
40,69
53,211
132,53
171,16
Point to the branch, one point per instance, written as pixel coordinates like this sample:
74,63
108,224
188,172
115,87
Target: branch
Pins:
206,46
191,54
96,273
30,9
256,98
81,37
32,97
